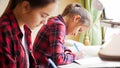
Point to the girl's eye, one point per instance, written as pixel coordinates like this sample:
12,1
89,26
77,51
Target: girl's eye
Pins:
80,30
44,16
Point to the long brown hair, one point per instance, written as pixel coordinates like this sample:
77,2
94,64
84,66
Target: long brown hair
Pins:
33,3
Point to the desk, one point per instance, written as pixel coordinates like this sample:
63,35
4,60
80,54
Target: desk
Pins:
92,59
112,64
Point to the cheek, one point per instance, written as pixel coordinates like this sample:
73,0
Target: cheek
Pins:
71,29
35,19
75,30
32,20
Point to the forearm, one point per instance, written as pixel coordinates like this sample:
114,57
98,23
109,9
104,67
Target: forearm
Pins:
61,55
64,58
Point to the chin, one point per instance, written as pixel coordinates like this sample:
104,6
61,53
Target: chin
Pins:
32,27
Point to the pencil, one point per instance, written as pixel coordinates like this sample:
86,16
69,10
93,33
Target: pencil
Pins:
76,47
52,63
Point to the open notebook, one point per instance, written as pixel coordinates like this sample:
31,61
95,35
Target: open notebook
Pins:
89,61
82,63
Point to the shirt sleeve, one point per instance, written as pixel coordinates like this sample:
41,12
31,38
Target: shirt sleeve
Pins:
60,54
6,59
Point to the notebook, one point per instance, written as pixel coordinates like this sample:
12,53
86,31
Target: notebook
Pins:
89,61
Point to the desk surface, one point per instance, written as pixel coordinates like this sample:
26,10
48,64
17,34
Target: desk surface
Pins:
92,59
97,64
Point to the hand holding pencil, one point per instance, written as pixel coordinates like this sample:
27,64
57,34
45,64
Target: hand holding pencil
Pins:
79,53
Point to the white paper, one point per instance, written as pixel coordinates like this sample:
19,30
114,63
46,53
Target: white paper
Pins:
89,61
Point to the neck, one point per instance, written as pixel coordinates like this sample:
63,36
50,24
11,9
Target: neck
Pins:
16,12
66,20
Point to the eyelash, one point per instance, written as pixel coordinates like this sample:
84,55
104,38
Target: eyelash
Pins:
43,16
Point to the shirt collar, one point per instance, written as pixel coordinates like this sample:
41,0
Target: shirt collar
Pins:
14,24
61,18
27,30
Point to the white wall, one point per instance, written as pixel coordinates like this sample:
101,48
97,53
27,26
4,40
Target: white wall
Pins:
3,5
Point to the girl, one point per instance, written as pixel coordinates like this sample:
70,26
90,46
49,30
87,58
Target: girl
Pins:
49,42
14,52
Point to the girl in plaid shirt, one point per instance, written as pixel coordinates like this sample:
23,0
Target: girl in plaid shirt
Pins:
14,49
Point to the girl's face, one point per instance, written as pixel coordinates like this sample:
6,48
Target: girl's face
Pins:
34,17
75,26
74,29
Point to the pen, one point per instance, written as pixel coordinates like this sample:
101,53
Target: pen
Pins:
76,47
52,63
49,59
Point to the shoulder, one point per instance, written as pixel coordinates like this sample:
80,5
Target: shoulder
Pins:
55,25
4,21
4,24
55,21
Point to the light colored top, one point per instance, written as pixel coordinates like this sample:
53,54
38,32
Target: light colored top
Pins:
25,45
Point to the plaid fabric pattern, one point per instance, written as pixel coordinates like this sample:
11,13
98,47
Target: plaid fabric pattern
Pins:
12,53
49,43
29,44
28,37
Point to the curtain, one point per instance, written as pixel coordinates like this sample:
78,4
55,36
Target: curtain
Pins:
94,33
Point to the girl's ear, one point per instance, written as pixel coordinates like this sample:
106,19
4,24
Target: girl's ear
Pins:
77,18
25,6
